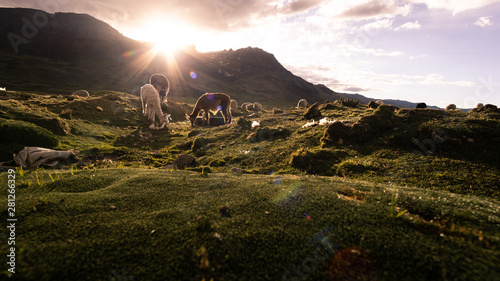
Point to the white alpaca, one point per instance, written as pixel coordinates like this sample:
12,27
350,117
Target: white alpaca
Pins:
302,103
257,106
151,106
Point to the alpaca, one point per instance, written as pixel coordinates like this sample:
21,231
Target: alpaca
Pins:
151,106
161,84
234,104
245,105
81,93
302,103
257,106
213,102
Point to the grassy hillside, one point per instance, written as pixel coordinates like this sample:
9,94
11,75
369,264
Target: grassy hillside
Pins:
383,195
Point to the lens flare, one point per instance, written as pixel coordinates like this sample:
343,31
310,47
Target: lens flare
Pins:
193,74
130,54
277,180
288,193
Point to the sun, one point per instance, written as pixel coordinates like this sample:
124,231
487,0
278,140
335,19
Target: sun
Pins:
167,35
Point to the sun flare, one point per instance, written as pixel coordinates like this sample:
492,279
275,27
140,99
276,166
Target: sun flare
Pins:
166,35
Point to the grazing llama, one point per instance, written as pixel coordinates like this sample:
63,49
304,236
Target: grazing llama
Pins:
212,102
151,106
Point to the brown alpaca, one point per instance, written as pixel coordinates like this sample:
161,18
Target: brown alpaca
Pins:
212,102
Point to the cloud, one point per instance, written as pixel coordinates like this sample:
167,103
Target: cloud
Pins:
456,6
484,21
299,6
380,24
216,14
437,79
356,89
376,9
409,26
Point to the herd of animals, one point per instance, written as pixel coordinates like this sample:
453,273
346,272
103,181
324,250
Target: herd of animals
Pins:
154,94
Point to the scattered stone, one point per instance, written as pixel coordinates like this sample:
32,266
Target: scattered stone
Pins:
217,236
112,208
313,112
421,105
373,105
277,111
451,107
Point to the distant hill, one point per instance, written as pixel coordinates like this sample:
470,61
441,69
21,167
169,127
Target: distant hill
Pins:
67,52
398,103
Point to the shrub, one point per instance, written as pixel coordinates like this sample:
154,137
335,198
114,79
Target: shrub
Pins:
348,102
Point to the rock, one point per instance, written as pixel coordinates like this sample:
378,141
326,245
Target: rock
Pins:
183,161
421,105
451,107
313,112
277,111
236,170
373,105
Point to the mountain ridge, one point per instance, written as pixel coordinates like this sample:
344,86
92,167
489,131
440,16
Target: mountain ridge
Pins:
65,52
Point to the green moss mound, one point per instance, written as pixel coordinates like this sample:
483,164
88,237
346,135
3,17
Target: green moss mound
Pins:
13,131
318,161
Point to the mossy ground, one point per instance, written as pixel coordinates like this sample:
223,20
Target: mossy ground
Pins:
151,224
119,214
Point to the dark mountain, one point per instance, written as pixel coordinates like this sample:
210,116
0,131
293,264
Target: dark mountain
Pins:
63,52
60,36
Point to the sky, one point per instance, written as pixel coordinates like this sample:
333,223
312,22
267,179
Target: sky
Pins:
438,52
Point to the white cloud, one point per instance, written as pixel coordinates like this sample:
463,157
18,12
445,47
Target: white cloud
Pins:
418,57
440,80
484,21
373,9
380,24
456,6
409,26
